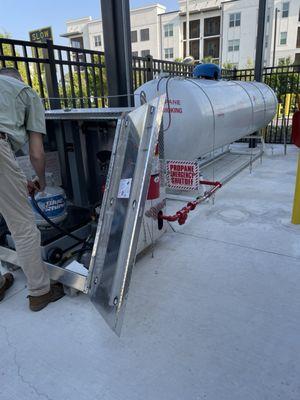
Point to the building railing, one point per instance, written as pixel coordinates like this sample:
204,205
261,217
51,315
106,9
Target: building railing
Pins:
68,77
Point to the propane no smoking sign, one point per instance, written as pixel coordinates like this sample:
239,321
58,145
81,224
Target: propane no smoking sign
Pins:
182,175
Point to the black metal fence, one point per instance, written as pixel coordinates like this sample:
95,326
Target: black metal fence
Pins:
68,77
73,77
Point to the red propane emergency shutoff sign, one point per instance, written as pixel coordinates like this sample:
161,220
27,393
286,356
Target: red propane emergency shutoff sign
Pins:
182,175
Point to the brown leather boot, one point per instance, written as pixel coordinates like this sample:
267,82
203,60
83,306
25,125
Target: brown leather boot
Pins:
9,280
37,303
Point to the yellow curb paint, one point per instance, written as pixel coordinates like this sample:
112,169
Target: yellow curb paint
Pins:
296,207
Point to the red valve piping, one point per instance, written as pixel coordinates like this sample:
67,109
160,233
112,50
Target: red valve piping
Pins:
182,215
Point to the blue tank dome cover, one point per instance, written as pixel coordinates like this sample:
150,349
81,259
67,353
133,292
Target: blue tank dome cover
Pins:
210,71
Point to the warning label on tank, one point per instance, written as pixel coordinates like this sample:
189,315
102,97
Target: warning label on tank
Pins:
173,106
182,175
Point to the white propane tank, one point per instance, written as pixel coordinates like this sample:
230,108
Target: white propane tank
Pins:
203,115
52,201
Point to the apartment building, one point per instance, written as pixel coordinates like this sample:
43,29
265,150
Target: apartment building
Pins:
221,31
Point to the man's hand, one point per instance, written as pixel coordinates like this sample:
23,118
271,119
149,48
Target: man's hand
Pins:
34,186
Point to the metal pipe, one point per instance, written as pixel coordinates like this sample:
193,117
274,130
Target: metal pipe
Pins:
118,55
260,41
259,56
275,36
241,168
213,159
161,37
187,29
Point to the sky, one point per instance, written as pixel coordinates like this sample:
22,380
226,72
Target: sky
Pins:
18,17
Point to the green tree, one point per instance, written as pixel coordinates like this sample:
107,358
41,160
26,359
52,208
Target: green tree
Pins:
9,50
284,80
250,63
84,87
207,60
228,65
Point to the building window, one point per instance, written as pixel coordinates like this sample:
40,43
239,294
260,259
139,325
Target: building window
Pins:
267,41
145,35
134,36
169,53
283,37
145,53
212,48
97,41
212,26
135,54
168,30
234,19
77,42
298,38
194,29
234,45
285,9
194,49
194,42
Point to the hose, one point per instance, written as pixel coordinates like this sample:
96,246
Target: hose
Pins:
53,224
167,98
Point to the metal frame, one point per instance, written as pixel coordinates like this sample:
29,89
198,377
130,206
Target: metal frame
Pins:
110,272
136,134
65,276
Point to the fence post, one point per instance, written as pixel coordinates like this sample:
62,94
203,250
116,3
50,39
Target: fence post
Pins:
149,73
51,77
234,75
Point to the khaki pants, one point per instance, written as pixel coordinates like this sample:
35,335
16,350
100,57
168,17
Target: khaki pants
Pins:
19,218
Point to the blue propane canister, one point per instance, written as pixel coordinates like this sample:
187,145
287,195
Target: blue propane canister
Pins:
207,71
52,201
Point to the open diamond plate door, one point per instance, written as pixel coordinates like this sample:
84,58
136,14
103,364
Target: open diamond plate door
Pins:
122,211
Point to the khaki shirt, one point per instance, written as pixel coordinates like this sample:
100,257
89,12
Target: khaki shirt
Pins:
21,111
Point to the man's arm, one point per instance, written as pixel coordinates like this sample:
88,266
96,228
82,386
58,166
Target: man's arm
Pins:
37,156
36,129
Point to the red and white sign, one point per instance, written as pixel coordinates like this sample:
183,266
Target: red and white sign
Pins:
173,106
182,175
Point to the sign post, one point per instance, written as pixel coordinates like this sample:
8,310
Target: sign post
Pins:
44,35
41,35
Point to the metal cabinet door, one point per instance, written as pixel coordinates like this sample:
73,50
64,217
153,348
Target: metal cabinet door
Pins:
122,210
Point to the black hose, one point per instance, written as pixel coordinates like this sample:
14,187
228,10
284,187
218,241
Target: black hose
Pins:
168,101
167,98
53,224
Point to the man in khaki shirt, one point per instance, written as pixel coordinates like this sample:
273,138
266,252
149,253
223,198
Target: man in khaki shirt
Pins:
22,119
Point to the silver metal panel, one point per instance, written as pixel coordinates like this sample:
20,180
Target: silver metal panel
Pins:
86,113
65,276
119,224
